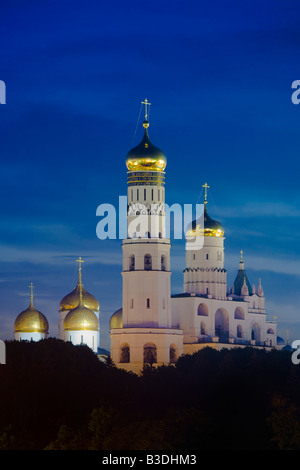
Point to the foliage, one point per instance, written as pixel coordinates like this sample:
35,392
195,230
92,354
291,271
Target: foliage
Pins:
58,396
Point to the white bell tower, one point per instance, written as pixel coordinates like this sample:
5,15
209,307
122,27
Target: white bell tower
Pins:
205,273
147,334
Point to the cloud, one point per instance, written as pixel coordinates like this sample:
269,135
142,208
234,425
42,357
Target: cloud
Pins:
263,263
261,209
10,254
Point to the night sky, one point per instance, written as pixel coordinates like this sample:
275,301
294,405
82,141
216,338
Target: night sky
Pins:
218,76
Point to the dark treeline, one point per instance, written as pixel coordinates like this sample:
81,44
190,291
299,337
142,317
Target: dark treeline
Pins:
54,395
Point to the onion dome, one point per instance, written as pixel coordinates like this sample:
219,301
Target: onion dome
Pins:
211,228
71,300
81,318
116,320
146,156
31,320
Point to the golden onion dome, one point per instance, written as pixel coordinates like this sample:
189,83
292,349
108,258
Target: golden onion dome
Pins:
81,318
211,228
31,321
146,156
70,301
116,320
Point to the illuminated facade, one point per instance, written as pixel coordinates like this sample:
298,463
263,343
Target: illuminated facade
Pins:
154,327
213,314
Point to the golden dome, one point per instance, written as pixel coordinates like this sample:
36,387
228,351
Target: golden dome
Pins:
145,156
81,318
71,300
31,320
212,228
116,320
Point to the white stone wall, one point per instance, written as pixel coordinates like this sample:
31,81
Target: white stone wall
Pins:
32,336
137,338
90,338
201,318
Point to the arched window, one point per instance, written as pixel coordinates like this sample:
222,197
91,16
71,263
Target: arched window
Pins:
222,324
255,332
125,353
163,262
148,302
203,328
147,262
173,354
202,310
132,263
150,353
239,314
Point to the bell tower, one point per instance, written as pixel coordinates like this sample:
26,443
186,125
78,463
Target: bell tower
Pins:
147,334
205,273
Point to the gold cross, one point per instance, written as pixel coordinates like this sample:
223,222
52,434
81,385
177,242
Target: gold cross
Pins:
31,292
79,271
241,255
80,261
205,195
146,103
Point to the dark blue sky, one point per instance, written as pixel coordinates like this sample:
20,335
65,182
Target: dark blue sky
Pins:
218,75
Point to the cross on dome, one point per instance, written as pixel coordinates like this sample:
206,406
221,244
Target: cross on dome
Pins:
146,103
80,261
31,293
205,194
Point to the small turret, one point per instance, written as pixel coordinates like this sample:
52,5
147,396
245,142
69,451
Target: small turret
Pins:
244,289
260,291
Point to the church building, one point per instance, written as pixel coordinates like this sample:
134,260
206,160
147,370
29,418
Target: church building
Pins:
155,327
